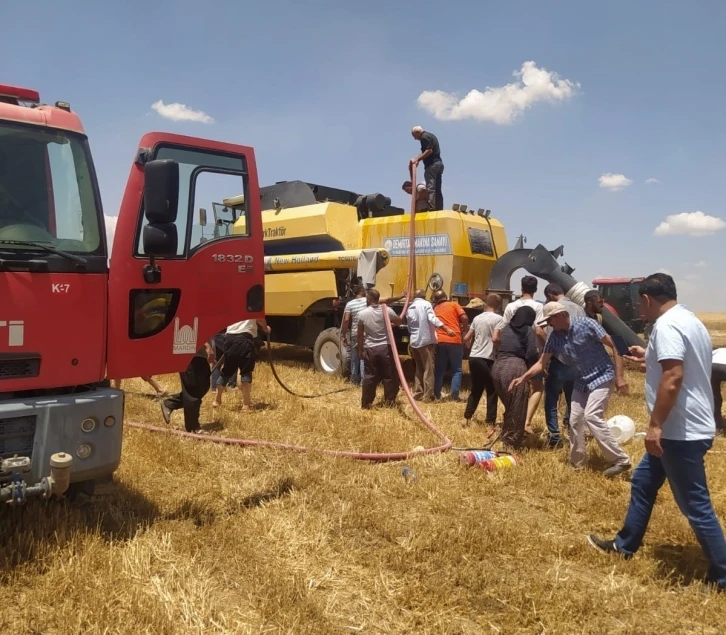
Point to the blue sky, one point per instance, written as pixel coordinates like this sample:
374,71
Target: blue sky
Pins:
328,91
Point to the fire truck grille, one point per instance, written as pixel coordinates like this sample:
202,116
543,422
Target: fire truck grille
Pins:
16,436
19,367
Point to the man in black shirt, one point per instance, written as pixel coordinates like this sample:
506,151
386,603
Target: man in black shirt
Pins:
593,305
195,383
433,166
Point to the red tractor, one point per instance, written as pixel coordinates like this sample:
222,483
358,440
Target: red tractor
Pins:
621,297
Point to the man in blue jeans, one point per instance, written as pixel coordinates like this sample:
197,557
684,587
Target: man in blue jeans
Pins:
349,332
450,343
681,428
560,377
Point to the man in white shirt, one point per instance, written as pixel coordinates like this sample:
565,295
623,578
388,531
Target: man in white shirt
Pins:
681,429
718,376
422,324
349,332
536,384
239,355
422,195
480,338
529,288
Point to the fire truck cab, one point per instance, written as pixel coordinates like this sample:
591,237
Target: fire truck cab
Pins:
70,318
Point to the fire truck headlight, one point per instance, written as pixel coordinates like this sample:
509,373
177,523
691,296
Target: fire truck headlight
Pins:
109,421
88,425
84,450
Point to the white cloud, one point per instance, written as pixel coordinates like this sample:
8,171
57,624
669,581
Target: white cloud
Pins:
614,182
651,180
689,224
180,112
110,230
701,264
501,105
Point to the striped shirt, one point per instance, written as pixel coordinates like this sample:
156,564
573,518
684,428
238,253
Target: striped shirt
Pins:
353,308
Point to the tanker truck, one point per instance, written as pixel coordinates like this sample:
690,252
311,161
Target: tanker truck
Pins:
69,318
319,241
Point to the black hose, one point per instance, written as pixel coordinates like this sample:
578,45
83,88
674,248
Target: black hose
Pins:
289,390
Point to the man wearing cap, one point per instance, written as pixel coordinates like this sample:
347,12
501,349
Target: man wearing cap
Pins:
580,343
560,377
433,165
422,195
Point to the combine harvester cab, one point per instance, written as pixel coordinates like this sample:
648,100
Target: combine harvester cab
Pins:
69,319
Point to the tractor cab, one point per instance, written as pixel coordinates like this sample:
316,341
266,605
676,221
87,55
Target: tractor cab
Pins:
621,297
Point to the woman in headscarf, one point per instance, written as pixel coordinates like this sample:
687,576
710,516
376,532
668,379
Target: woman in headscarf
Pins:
517,352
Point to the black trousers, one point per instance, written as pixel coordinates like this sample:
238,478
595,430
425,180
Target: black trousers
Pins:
718,375
239,355
480,372
432,176
378,367
195,382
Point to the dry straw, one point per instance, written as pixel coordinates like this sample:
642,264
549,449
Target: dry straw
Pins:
195,537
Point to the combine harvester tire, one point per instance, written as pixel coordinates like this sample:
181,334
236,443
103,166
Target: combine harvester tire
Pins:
327,354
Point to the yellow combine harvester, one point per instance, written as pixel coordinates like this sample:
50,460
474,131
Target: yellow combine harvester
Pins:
321,241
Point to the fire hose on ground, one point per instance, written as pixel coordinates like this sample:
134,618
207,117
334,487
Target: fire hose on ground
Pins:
445,444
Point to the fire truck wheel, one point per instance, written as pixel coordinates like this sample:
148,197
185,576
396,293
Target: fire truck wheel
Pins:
326,352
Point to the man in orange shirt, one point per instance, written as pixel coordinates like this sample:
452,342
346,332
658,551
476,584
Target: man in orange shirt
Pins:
450,348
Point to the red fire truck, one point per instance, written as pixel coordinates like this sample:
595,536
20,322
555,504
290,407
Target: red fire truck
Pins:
70,318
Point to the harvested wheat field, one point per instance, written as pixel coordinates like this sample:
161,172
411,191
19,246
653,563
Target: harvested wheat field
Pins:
196,537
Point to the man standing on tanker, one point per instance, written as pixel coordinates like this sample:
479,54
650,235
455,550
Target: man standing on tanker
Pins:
433,165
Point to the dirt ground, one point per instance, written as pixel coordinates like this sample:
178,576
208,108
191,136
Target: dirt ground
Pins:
195,537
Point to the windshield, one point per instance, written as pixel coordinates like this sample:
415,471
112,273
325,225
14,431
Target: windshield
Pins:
47,190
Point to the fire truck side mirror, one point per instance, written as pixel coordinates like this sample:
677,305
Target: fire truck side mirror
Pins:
161,200
160,239
161,191
202,217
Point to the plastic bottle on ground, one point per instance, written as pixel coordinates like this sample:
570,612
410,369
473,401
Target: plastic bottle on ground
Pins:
506,462
477,456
